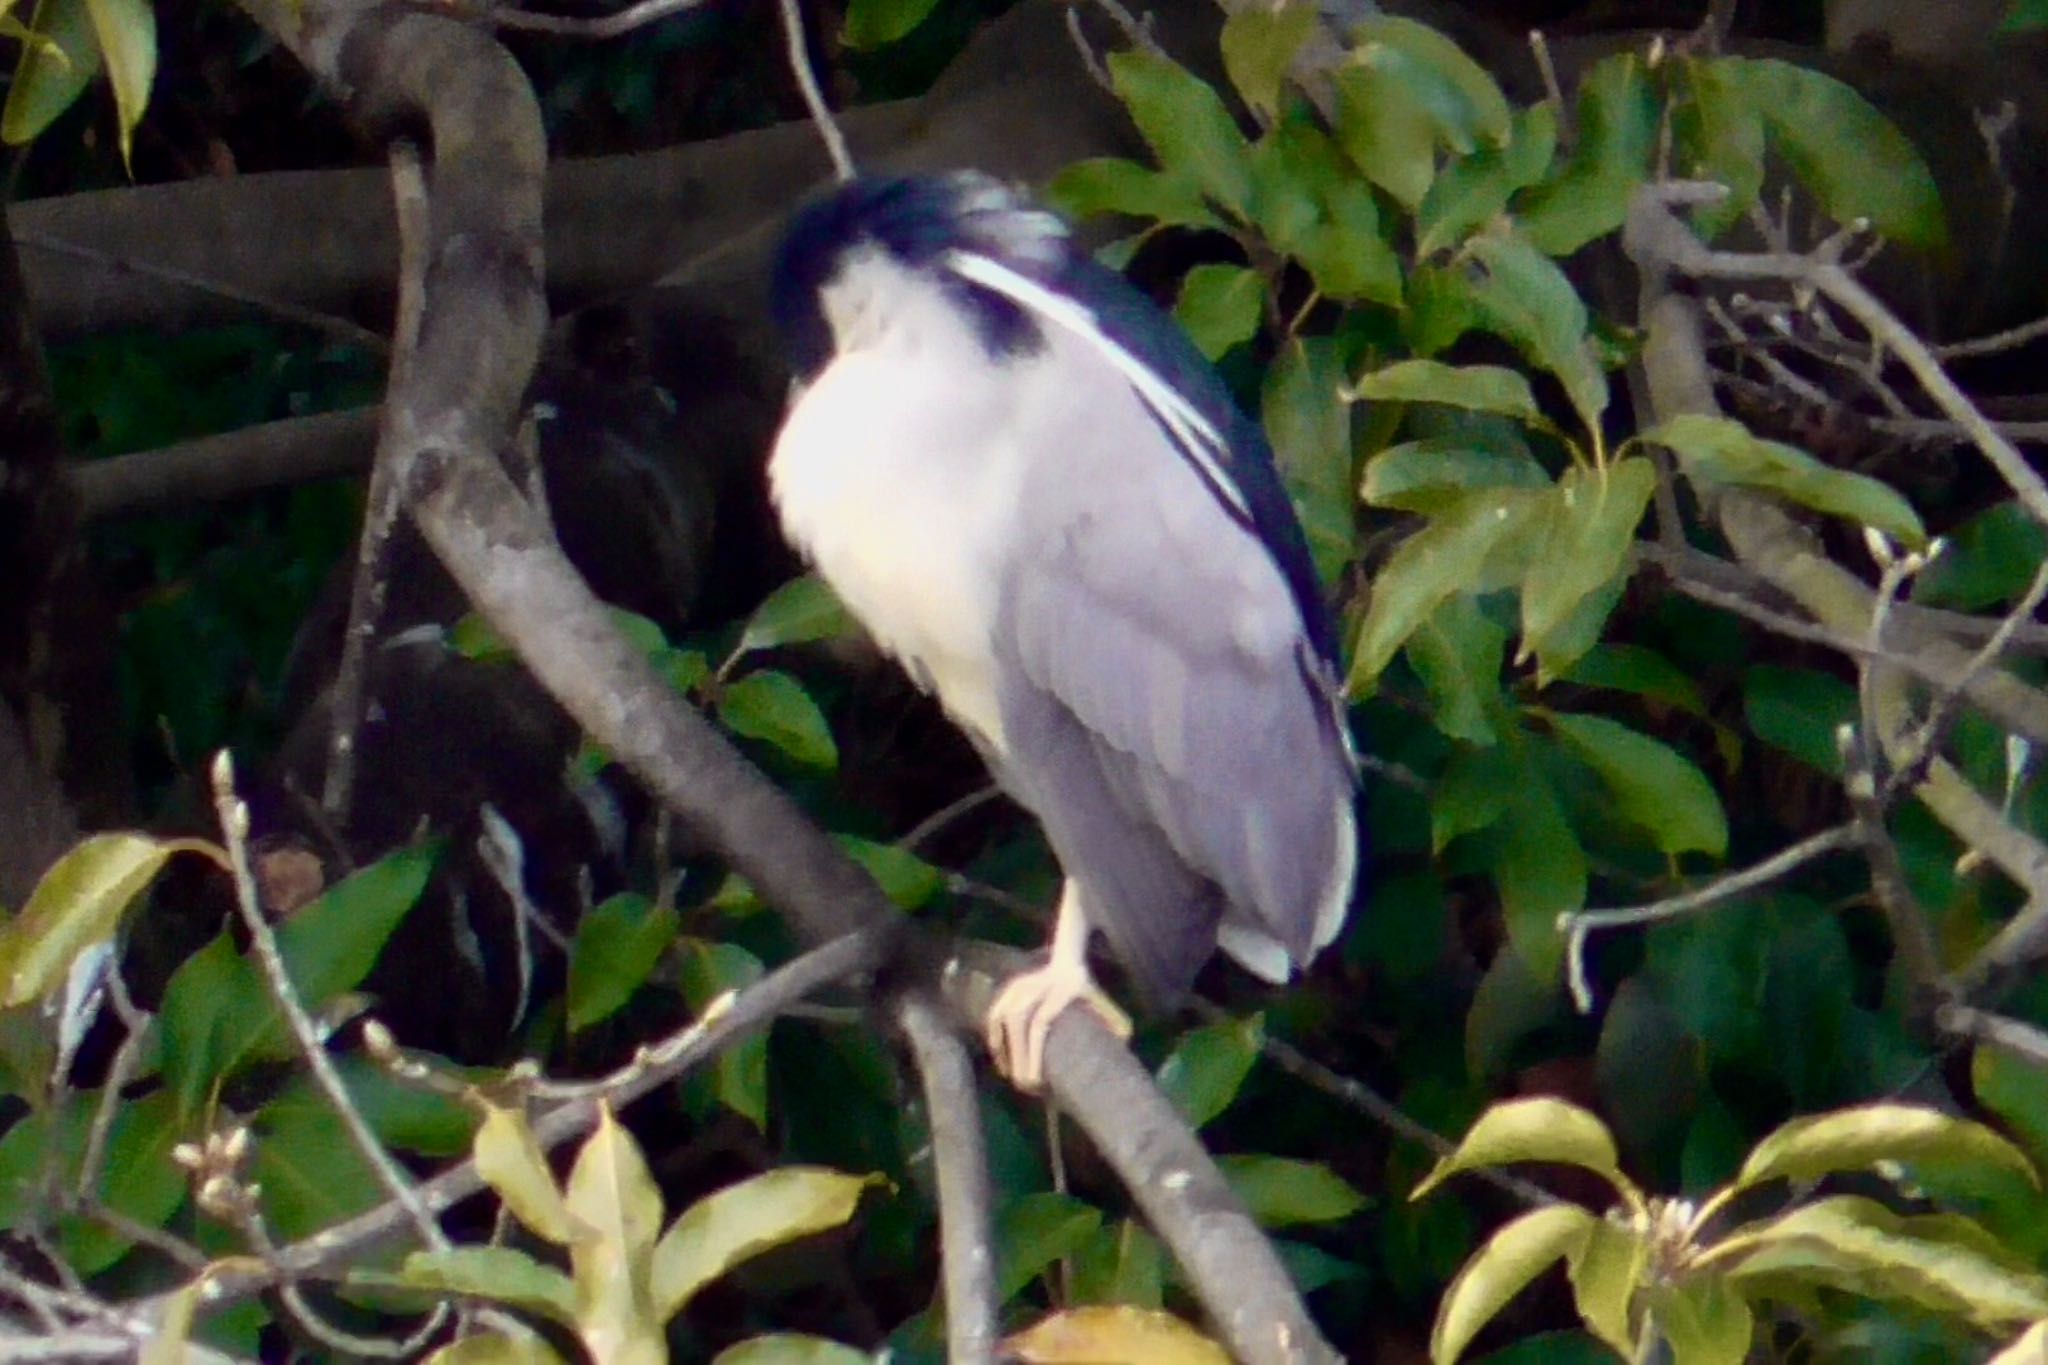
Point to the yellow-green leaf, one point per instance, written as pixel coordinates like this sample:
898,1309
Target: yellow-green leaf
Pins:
1535,1129
791,1348
877,23
1862,1136
1185,124
1109,1333
495,1348
1259,44
126,30
1476,388
1483,111
166,1345
1705,1321
741,1221
774,708
801,610
499,1274
1500,1270
510,1160
1525,297
1220,306
1593,519
78,903
611,1192
1720,450
53,68
1604,1271
1655,787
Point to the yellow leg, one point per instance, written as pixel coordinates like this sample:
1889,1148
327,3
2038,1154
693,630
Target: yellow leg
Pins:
1023,1012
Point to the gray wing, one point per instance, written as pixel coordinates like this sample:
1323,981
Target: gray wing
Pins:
1163,719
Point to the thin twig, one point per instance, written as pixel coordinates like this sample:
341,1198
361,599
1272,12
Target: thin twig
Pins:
1577,925
960,1161
945,815
339,328
602,26
234,823
814,98
1966,1022
1941,716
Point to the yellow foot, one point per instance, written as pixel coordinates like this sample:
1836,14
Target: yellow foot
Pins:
1023,1015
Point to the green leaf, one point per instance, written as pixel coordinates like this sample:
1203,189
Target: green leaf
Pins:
904,877
78,904
1639,671
612,1194
1846,154
1617,132
1474,792
1220,306
51,71
1989,560
1502,1269
1654,786
126,31
1103,1333
1385,128
1113,184
1861,1247
773,707
1311,435
743,1220
1447,556
706,971
1283,1192
1035,1230
1860,1137
1524,297
877,23
1541,870
1705,1321
1259,45
1536,1129
510,1160
618,945
312,1173
1441,307
1477,388
1722,129
1121,1264
790,1348
1473,190
1207,1067
331,944
1512,1004
1475,109
1800,711
495,1348
495,1274
1438,472
1457,653
1723,451
1593,519
800,611
1185,124
137,1180
2016,1090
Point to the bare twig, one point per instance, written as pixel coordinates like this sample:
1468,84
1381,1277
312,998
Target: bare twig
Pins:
1577,925
1963,1021
339,328
960,1160
603,26
945,815
814,98
234,823
2011,338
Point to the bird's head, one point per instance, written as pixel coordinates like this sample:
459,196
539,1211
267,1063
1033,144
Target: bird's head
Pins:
883,242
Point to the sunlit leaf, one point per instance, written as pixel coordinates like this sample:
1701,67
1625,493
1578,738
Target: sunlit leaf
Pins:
1184,122
1535,1129
1283,1192
126,31
1592,529
1723,451
1604,1271
510,1160
166,1345
51,71
1705,1320
495,1348
1502,1269
1110,1333
774,708
80,902
1207,1067
1259,44
743,1220
1220,306
611,1193
1859,1137
791,1348
1654,786
2029,1348
1113,184
496,1274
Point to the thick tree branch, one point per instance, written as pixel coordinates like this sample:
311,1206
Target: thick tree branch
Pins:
959,1150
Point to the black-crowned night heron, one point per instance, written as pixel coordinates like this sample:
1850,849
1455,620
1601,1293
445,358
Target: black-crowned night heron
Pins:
1031,488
